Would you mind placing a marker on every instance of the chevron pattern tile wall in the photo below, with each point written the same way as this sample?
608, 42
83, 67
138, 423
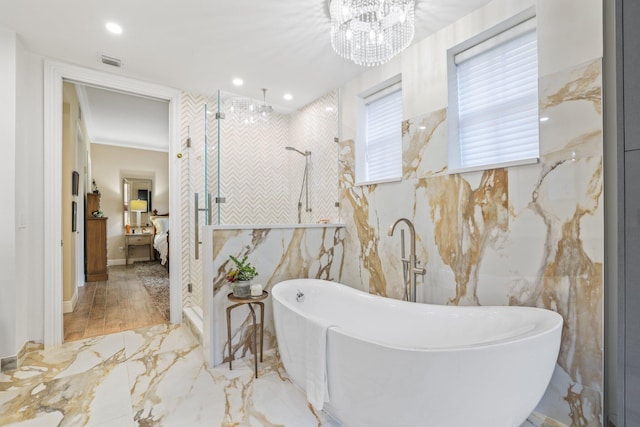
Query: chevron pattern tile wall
253, 166
315, 128
192, 181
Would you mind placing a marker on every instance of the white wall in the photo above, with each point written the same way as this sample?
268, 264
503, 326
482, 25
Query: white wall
21, 172
31, 187
8, 271
562, 43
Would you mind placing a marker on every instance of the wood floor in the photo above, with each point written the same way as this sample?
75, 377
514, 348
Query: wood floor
118, 304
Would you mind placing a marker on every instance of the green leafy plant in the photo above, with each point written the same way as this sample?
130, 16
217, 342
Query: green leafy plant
244, 270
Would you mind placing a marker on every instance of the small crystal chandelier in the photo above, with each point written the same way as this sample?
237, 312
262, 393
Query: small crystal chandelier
249, 111
371, 32
264, 110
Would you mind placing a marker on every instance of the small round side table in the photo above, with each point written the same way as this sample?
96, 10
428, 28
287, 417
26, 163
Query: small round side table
249, 300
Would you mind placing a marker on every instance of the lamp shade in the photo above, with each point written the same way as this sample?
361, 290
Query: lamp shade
138, 205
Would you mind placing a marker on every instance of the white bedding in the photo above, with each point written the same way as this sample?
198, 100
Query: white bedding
162, 246
160, 242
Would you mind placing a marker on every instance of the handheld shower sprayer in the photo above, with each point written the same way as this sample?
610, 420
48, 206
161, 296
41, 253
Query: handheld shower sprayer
306, 153
305, 182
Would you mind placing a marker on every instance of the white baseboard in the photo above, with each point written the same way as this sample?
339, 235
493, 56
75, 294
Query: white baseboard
69, 306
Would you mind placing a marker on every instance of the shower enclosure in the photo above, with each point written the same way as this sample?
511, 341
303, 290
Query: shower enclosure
305, 183
247, 164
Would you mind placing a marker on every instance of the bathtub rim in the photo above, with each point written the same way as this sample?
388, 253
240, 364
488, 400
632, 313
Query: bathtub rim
556, 322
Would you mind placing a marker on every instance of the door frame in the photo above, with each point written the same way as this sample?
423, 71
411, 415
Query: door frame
54, 74
80, 276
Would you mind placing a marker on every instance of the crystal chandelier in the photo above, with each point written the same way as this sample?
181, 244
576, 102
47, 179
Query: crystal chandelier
249, 111
371, 32
264, 110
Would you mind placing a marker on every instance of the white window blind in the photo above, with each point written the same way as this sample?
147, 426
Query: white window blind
383, 143
497, 85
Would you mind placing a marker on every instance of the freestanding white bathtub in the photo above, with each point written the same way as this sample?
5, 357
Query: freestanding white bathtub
396, 363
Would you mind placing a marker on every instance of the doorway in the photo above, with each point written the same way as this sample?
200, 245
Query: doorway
127, 281
55, 73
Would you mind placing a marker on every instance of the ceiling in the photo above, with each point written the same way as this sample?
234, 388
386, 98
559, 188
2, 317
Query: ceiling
116, 118
201, 45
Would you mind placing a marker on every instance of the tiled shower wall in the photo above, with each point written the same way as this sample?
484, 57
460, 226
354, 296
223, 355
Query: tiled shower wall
315, 128
192, 181
259, 179
529, 235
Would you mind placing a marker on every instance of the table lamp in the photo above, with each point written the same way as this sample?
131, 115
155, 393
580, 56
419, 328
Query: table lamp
138, 206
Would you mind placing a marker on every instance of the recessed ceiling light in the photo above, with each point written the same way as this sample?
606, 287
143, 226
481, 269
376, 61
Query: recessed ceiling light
114, 28
288, 97
544, 119
237, 82
422, 127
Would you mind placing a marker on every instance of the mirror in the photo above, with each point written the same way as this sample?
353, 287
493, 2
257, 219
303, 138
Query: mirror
138, 205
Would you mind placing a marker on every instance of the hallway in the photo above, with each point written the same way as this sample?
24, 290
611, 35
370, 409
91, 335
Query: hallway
119, 304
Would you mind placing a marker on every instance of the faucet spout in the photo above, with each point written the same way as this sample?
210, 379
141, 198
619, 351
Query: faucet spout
412, 232
410, 264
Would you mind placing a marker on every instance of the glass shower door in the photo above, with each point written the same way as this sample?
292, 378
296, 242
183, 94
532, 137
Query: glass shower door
199, 178
280, 167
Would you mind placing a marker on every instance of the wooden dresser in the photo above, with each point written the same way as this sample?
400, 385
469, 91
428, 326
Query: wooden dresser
95, 242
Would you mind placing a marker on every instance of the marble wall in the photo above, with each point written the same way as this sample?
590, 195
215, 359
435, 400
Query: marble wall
278, 253
530, 235
527, 235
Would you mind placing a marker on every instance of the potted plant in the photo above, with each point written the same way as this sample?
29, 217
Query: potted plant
241, 276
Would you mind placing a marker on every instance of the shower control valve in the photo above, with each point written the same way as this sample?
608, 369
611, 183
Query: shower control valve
300, 296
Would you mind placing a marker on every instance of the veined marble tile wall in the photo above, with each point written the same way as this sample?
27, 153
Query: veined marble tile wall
278, 254
529, 235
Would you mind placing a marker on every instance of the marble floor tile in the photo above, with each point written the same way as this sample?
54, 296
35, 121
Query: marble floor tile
155, 376
157, 339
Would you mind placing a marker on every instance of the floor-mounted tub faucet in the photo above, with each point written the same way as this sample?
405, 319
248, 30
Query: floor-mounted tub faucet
409, 265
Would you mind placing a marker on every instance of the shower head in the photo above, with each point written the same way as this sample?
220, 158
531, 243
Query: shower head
306, 153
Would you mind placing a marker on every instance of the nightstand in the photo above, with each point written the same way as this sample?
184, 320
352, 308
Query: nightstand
138, 239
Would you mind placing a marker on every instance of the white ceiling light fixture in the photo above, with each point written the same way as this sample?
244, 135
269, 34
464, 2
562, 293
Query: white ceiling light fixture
371, 32
113, 28
237, 81
287, 97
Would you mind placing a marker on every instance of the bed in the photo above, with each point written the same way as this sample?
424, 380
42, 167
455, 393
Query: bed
161, 237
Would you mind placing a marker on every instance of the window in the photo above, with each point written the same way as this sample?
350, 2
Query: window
494, 114
379, 145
